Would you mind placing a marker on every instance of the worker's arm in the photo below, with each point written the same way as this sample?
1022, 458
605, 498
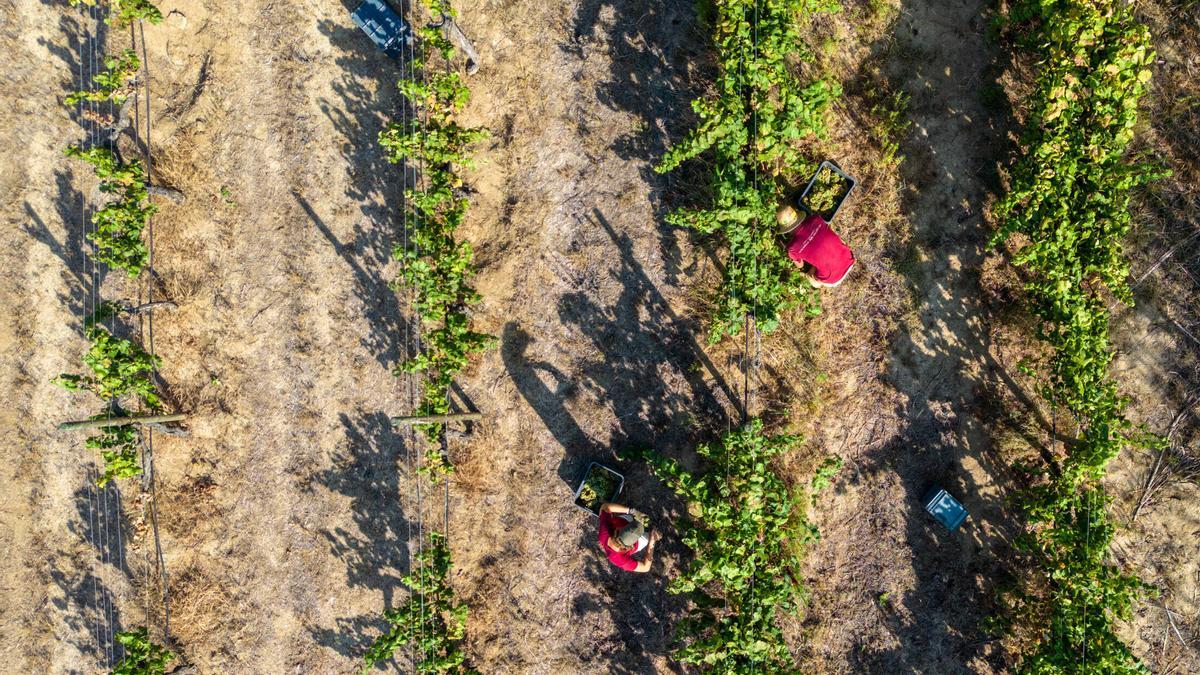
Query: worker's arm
617, 509
646, 562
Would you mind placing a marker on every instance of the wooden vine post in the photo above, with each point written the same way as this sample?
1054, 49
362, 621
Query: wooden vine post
436, 419
121, 421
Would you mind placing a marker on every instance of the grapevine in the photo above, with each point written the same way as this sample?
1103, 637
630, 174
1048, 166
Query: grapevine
432, 621
118, 368
436, 265
121, 13
142, 657
115, 84
1069, 197
746, 526
119, 224
752, 125
118, 447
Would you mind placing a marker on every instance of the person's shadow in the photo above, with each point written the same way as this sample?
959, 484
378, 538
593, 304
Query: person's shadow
637, 344
375, 551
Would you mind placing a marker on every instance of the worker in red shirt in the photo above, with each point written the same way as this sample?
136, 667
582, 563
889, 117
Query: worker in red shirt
816, 244
622, 535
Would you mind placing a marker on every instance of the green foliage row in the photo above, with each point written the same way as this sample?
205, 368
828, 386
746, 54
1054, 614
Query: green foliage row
119, 223
1069, 201
745, 527
114, 84
142, 657
436, 265
751, 126
432, 621
118, 448
121, 13
119, 368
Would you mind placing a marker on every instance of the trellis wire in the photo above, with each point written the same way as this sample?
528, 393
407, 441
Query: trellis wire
97, 498
754, 321
416, 322
93, 507
444, 440
104, 504
412, 439
108, 489
404, 121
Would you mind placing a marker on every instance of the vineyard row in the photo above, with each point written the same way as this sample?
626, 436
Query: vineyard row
437, 267
118, 370
1067, 213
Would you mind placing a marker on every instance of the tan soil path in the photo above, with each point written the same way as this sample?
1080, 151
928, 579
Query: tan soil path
913, 598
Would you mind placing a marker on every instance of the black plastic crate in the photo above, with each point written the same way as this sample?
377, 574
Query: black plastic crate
594, 507
847, 180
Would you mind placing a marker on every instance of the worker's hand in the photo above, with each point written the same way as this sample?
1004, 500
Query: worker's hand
653, 537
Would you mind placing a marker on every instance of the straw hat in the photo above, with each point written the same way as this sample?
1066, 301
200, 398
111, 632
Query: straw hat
787, 217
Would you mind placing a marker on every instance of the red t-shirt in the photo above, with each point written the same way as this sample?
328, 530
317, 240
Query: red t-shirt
609, 524
818, 245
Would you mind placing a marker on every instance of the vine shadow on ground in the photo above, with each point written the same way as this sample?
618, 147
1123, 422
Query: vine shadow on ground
367, 253
376, 553
632, 342
79, 282
367, 97
92, 597
654, 49
943, 364
81, 57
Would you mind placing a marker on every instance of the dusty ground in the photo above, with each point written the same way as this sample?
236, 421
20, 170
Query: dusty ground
285, 516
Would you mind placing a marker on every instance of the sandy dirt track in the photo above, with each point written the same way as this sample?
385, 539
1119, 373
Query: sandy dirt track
286, 515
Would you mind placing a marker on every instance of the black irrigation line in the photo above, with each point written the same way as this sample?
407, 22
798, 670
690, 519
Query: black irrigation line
445, 449
747, 393
148, 448
407, 329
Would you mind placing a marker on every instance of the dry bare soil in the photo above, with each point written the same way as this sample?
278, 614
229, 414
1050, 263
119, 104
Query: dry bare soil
286, 515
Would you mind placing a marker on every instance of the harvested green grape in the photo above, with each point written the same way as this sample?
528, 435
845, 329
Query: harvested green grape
598, 487
825, 191
588, 494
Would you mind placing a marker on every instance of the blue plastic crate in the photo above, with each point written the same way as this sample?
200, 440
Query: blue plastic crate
384, 26
945, 509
